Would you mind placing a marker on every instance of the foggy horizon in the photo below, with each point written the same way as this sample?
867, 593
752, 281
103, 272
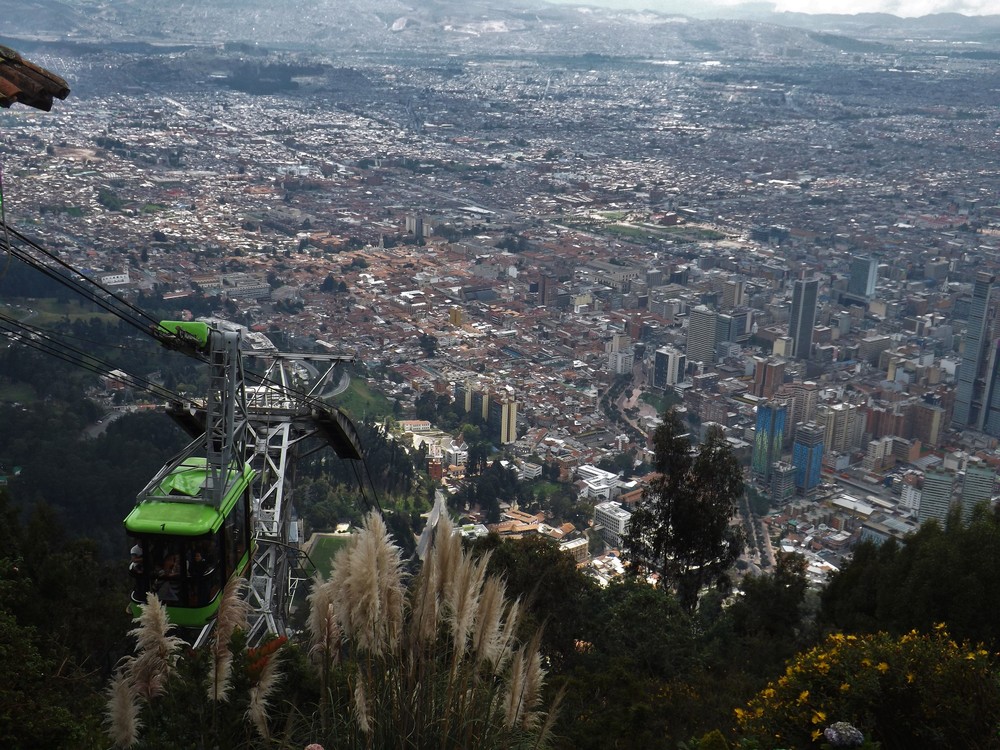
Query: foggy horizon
900, 8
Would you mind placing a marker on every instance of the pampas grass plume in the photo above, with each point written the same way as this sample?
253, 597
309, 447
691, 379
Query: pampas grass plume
270, 676
233, 609
463, 598
324, 631
487, 628
367, 581
155, 649
361, 708
123, 710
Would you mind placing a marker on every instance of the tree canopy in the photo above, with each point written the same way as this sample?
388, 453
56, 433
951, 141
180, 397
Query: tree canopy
681, 529
936, 575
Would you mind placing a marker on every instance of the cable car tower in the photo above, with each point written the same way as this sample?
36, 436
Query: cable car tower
280, 420
222, 507
254, 431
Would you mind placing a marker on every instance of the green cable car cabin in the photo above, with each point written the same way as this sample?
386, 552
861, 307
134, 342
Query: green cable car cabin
184, 548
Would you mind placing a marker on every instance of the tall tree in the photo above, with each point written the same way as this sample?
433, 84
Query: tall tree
936, 575
682, 527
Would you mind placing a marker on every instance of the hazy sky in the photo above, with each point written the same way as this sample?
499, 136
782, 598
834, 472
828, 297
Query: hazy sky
896, 7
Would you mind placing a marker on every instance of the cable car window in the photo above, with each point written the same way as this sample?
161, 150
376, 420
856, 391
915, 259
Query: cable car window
203, 571
161, 569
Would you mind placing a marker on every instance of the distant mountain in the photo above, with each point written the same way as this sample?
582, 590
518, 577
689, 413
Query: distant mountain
950, 26
368, 27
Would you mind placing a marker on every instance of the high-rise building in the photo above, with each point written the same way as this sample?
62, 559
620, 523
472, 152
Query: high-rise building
733, 293
878, 454
805, 293
802, 399
701, 341
807, 457
977, 486
620, 354
669, 366
782, 482
742, 324
723, 329
768, 376
928, 423
503, 417
989, 416
654, 277
843, 425
935, 496
768, 438
498, 410
864, 271
735, 327
465, 391
968, 388
612, 518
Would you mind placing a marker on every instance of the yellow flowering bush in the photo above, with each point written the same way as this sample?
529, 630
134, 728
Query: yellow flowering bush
919, 690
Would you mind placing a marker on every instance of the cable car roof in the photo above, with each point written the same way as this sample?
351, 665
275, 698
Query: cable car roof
180, 519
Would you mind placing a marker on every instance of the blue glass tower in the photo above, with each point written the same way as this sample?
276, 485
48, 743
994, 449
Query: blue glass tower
807, 457
769, 437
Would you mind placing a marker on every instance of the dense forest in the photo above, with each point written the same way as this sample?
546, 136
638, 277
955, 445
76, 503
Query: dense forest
770, 668
902, 645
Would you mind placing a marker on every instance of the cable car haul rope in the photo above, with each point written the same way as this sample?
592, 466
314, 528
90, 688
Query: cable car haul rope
221, 508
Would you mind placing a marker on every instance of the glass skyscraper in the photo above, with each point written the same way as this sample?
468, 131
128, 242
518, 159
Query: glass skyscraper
769, 437
864, 271
968, 392
805, 292
807, 457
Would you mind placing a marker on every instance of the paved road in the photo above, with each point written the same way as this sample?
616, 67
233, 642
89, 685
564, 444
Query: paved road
101, 425
345, 380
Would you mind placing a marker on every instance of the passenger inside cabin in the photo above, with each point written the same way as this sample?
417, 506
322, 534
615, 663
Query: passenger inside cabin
202, 571
135, 569
168, 579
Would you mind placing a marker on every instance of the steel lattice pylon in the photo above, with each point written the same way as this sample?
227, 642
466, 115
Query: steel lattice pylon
265, 424
280, 416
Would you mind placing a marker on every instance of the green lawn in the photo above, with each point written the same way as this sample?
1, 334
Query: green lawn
682, 233
49, 311
360, 400
658, 402
542, 488
323, 550
20, 392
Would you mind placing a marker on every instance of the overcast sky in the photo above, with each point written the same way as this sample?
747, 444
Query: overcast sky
896, 7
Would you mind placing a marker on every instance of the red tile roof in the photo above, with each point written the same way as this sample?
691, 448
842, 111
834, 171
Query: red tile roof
25, 82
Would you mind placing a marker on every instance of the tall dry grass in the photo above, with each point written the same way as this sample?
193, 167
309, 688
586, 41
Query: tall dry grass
432, 661
143, 679
232, 614
143, 676
433, 664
